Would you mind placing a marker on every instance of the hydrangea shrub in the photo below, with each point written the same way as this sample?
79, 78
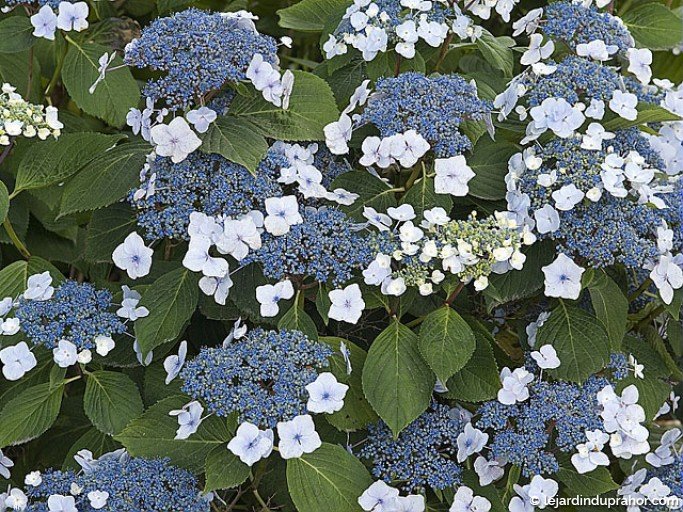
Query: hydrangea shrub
341, 255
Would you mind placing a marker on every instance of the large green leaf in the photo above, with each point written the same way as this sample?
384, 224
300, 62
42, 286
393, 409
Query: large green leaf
497, 52
52, 161
113, 97
224, 470
311, 107
647, 113
111, 400
237, 139
580, 339
610, 305
446, 342
597, 482
153, 435
16, 34
329, 479
171, 301
396, 380
296, 319
421, 196
312, 15
14, 276
106, 179
489, 161
31, 413
654, 26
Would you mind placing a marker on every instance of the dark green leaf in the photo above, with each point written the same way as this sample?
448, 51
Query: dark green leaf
111, 400
16, 34
237, 140
31, 413
224, 470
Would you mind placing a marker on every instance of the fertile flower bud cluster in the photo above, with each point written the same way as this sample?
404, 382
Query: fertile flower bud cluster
20, 118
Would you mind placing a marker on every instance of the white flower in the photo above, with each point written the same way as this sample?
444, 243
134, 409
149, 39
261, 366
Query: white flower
44, 23
201, 118
283, 212
251, 444
547, 219
402, 213
521, 502
380, 220
546, 357
359, 97
465, 501
433, 32
470, 441
38, 287
326, 395
542, 490
527, 23
637, 368
133, 256
174, 363
624, 104
342, 196
372, 42
488, 471
563, 278
407, 31
59, 503
189, 419
98, 499
410, 503
84, 356
537, 51
287, 82
596, 50
16, 500
175, 139
34, 479
198, 259
452, 176
594, 137
219, 287
409, 147
667, 276
376, 151
6, 305
65, 354
567, 197
514, 386
104, 345
332, 47
347, 304
269, 295
10, 326
379, 497
5, 464
557, 115
17, 360
639, 60
590, 455
104, 62
238, 236
297, 437
596, 109
73, 16
129, 309
259, 72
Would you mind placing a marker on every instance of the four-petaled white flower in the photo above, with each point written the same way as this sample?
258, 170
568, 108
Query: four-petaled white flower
15, 499
465, 501
269, 295
65, 354
470, 441
104, 345
98, 499
410, 503
325, 394
537, 50
38, 287
452, 176
175, 139
563, 278
547, 219
73, 16
590, 455
189, 418
174, 363
297, 436
379, 497
546, 357
667, 277
514, 386
347, 304
488, 471
133, 256
59, 503
596, 50
283, 212
542, 490
624, 104
44, 23
34, 479
251, 444
17, 360
201, 118
338, 134
639, 60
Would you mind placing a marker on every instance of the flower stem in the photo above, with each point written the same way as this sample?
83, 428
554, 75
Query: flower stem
15, 239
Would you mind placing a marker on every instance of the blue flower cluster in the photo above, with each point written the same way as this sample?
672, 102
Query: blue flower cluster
675, 214
671, 475
578, 79
77, 312
133, 484
627, 230
324, 246
262, 376
556, 415
199, 52
424, 454
329, 165
207, 183
434, 106
575, 24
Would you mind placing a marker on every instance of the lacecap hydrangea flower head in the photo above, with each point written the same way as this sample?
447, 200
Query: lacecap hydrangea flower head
20, 118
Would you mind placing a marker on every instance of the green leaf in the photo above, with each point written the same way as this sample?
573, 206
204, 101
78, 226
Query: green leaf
647, 113
312, 15
610, 305
497, 52
106, 179
16, 34
111, 400
31, 413
236, 139
330, 479
114, 95
446, 342
153, 435
373, 192
52, 161
357, 412
580, 339
489, 161
224, 470
479, 380
421, 196
297, 319
171, 300
396, 380
597, 482
311, 107
654, 26
107, 229
4, 202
